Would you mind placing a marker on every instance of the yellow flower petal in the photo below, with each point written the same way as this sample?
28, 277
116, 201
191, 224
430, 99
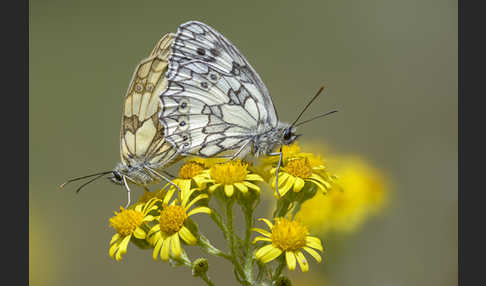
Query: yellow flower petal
263, 250
254, 177
186, 195
261, 238
199, 210
290, 258
302, 261
313, 242
214, 187
169, 195
269, 224
176, 246
158, 245
184, 184
286, 187
299, 184
187, 236
251, 186
262, 231
164, 252
114, 238
113, 249
154, 229
271, 254
148, 218
228, 190
242, 187
122, 248
195, 200
313, 253
282, 177
139, 233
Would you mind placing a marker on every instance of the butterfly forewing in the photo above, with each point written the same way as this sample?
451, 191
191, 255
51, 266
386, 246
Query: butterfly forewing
214, 100
142, 134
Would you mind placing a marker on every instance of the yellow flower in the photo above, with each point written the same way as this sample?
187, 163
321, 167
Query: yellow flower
364, 192
172, 227
268, 162
191, 172
289, 237
231, 175
298, 170
128, 223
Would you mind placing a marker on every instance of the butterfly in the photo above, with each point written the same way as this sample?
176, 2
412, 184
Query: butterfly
215, 103
143, 148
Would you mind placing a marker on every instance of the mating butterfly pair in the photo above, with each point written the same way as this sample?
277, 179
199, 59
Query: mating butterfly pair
195, 95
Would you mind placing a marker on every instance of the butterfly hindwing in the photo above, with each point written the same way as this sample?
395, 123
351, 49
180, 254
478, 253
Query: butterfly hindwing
141, 135
214, 100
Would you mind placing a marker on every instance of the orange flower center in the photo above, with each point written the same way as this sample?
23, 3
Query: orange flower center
229, 173
299, 167
172, 219
126, 221
288, 235
190, 170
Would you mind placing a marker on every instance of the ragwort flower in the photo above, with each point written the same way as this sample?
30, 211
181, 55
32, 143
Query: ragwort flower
172, 227
301, 169
190, 172
289, 237
233, 174
128, 223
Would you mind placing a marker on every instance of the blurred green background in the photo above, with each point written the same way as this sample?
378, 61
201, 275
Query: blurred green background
391, 70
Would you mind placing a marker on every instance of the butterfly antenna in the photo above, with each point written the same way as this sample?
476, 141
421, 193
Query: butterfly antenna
92, 180
308, 104
316, 117
83, 177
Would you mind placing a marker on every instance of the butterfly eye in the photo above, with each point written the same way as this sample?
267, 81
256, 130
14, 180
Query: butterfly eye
117, 176
287, 135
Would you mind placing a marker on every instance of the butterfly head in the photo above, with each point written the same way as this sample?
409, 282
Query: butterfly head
116, 178
131, 173
288, 135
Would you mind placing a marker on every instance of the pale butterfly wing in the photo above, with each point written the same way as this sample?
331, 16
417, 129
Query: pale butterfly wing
214, 101
142, 134
162, 48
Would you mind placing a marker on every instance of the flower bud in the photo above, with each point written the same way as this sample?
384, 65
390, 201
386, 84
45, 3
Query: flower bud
200, 266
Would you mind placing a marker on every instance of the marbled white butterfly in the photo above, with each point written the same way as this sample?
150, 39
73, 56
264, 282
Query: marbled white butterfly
215, 104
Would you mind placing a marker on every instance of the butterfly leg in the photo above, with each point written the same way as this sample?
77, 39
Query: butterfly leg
278, 168
163, 177
232, 157
168, 174
128, 191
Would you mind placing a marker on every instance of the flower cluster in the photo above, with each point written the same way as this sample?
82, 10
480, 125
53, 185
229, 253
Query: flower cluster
162, 220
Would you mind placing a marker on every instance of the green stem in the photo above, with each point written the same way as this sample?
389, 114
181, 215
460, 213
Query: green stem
231, 236
216, 217
280, 267
261, 273
206, 279
248, 254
